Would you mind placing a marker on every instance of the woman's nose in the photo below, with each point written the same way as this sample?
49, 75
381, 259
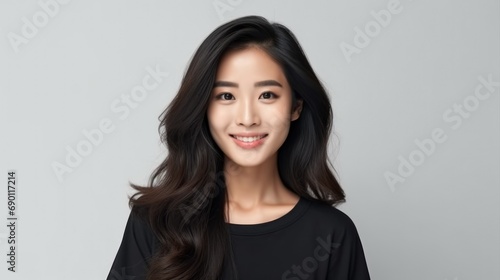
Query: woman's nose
247, 114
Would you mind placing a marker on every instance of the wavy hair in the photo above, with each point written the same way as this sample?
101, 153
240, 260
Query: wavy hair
185, 198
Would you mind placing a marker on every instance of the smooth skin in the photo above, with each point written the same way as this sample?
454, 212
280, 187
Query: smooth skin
252, 95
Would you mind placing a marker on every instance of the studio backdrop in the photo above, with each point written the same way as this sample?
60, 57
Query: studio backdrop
415, 91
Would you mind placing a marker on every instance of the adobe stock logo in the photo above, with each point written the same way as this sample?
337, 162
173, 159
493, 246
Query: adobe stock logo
454, 116
310, 264
121, 107
221, 7
30, 28
372, 29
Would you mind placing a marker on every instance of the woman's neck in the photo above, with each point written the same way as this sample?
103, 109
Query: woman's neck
254, 186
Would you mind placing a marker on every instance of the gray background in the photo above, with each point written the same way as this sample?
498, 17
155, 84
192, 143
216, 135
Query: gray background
403, 83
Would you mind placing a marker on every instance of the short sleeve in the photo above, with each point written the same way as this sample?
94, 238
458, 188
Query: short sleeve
348, 259
135, 251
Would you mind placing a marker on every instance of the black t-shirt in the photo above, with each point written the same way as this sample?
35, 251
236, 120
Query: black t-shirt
312, 241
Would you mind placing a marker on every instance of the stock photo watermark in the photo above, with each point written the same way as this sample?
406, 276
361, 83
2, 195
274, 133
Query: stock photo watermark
121, 107
31, 26
223, 6
372, 29
454, 117
310, 264
202, 197
12, 221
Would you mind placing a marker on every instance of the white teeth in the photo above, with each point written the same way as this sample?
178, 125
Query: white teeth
248, 139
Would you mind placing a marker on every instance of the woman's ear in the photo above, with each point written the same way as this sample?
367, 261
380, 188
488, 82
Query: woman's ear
296, 111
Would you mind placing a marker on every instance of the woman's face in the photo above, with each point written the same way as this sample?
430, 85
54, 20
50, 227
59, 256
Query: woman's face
250, 107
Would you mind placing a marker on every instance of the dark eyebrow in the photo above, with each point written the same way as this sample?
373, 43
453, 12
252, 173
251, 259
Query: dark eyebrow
257, 84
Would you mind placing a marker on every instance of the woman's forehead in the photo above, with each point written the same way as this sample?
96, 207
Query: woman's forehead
249, 63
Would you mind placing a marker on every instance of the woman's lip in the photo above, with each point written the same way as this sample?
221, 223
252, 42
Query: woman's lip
249, 135
249, 145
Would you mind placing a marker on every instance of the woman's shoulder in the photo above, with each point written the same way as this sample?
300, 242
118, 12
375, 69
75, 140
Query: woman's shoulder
139, 226
139, 217
328, 215
137, 247
139, 214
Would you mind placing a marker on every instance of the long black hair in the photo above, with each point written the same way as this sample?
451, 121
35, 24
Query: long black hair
185, 198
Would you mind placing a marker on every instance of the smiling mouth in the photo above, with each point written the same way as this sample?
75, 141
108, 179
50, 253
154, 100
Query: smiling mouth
248, 139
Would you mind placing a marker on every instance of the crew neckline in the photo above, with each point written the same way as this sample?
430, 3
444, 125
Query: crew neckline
262, 228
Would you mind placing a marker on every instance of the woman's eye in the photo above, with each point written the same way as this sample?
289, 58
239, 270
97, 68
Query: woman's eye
225, 96
268, 95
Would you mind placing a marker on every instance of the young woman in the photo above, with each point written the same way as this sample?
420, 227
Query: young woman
247, 190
